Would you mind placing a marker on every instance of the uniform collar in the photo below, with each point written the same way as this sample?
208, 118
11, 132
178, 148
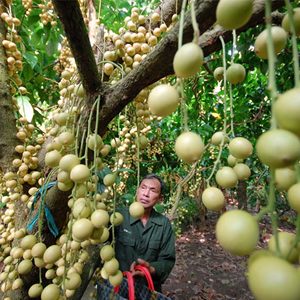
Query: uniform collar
155, 217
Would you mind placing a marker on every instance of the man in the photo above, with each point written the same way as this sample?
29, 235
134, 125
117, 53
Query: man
150, 240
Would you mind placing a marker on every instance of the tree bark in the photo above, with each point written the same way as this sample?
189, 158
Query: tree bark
8, 128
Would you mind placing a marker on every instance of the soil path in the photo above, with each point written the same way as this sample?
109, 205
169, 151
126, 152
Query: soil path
204, 271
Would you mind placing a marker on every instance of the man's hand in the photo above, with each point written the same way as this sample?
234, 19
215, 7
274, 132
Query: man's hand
143, 263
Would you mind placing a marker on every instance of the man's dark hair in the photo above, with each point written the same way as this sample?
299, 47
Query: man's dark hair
154, 176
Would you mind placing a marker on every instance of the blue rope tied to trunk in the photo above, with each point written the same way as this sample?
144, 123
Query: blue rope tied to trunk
40, 194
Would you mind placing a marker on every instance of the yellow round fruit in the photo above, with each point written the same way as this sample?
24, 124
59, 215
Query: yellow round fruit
296, 19
50, 292
136, 210
189, 147
279, 38
242, 171
226, 177
28, 241
240, 147
80, 173
111, 267
35, 290
237, 232
294, 197
82, 229
219, 73
52, 254
232, 14
218, 137
38, 249
109, 179
285, 178
81, 208
278, 148
116, 218
232, 161
256, 254
73, 281
107, 252
68, 162
100, 218
286, 245
94, 142
188, 60
163, 100
236, 73
25, 266
213, 199
272, 278
287, 110
116, 279
52, 158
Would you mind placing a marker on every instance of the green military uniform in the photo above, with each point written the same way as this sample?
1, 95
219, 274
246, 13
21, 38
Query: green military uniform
155, 243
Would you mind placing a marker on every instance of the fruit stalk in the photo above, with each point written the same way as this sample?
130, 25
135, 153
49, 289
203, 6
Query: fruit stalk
294, 43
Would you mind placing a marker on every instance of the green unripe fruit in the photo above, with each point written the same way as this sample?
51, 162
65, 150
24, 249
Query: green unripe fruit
279, 38
286, 241
273, 278
52, 158
213, 199
296, 18
285, 178
107, 252
163, 100
80, 173
111, 267
287, 110
240, 148
50, 292
136, 210
236, 73
109, 179
237, 232
226, 177
35, 290
242, 171
189, 147
188, 60
294, 197
68, 162
278, 148
232, 14
219, 73
116, 280
116, 218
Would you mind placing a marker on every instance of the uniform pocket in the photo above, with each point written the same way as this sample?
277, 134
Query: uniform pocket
154, 244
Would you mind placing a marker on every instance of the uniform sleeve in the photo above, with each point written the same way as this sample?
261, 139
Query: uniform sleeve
166, 259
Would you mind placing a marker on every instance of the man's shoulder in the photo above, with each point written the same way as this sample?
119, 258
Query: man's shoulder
160, 218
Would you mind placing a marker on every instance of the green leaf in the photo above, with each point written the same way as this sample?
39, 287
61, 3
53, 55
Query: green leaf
31, 59
25, 107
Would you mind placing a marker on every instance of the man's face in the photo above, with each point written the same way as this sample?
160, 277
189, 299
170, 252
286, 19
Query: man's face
149, 192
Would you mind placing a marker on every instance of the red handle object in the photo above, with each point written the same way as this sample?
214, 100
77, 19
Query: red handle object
147, 275
130, 280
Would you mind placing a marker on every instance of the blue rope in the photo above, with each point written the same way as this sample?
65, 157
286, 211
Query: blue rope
41, 193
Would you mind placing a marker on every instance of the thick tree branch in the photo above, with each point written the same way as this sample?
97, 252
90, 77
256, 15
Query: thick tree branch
76, 33
158, 63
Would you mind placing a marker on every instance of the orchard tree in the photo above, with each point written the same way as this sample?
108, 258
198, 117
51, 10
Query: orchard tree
71, 129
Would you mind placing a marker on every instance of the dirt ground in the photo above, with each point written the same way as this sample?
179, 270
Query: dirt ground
204, 271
